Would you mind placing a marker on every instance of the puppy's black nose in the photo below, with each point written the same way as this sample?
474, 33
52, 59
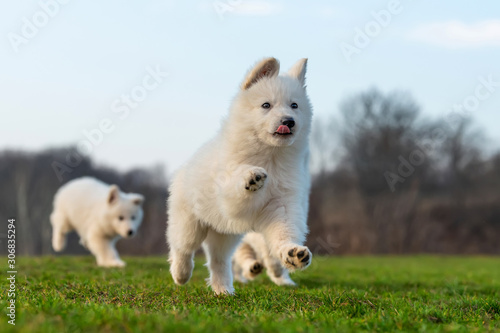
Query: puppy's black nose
288, 122
130, 232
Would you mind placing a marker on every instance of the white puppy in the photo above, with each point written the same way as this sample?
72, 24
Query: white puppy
252, 256
253, 176
101, 214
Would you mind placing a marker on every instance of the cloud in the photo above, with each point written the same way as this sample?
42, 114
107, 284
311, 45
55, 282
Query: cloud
456, 34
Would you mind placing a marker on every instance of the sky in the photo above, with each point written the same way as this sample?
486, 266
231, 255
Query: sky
155, 78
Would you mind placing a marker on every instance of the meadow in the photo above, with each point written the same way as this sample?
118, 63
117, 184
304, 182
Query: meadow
335, 294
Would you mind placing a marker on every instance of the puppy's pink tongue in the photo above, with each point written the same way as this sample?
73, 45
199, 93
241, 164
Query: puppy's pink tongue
283, 129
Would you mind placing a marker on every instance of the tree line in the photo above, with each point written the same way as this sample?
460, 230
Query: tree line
386, 179
398, 182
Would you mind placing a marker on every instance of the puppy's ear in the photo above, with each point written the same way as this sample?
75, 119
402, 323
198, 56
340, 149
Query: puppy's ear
298, 71
268, 67
114, 192
137, 199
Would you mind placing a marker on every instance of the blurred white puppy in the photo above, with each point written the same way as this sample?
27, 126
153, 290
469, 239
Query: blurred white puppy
252, 256
100, 213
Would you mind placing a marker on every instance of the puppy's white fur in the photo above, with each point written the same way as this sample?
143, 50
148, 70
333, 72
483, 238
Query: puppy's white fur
248, 178
252, 256
100, 213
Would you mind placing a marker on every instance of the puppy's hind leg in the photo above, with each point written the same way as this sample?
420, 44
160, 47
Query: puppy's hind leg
277, 273
246, 258
275, 270
219, 249
60, 227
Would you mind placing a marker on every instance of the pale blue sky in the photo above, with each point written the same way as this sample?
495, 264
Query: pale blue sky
64, 79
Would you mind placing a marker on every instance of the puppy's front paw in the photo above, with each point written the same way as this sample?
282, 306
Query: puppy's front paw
112, 263
119, 263
296, 257
255, 179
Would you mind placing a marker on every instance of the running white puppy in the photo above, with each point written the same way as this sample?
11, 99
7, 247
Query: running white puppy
252, 256
253, 176
100, 213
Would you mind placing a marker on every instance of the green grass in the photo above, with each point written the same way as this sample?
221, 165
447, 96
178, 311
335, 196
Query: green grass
419, 293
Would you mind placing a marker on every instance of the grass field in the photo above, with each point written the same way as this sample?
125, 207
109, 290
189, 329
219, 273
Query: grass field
421, 293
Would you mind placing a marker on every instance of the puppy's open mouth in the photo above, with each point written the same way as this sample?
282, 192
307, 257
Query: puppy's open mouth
283, 130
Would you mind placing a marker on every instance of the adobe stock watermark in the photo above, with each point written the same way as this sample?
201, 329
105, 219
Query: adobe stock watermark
11, 271
121, 108
325, 245
407, 165
372, 29
222, 7
30, 27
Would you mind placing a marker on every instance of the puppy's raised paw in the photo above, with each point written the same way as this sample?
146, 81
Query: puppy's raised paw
255, 179
296, 257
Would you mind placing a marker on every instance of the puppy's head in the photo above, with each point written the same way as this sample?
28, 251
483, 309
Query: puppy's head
124, 211
274, 108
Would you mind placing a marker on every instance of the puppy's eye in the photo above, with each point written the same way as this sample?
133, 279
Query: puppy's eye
266, 105
133, 217
294, 105
121, 218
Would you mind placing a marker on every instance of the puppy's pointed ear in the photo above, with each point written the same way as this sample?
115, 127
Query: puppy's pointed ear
268, 67
298, 71
137, 199
114, 192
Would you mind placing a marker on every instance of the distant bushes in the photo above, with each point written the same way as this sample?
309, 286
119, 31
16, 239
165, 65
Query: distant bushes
386, 180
